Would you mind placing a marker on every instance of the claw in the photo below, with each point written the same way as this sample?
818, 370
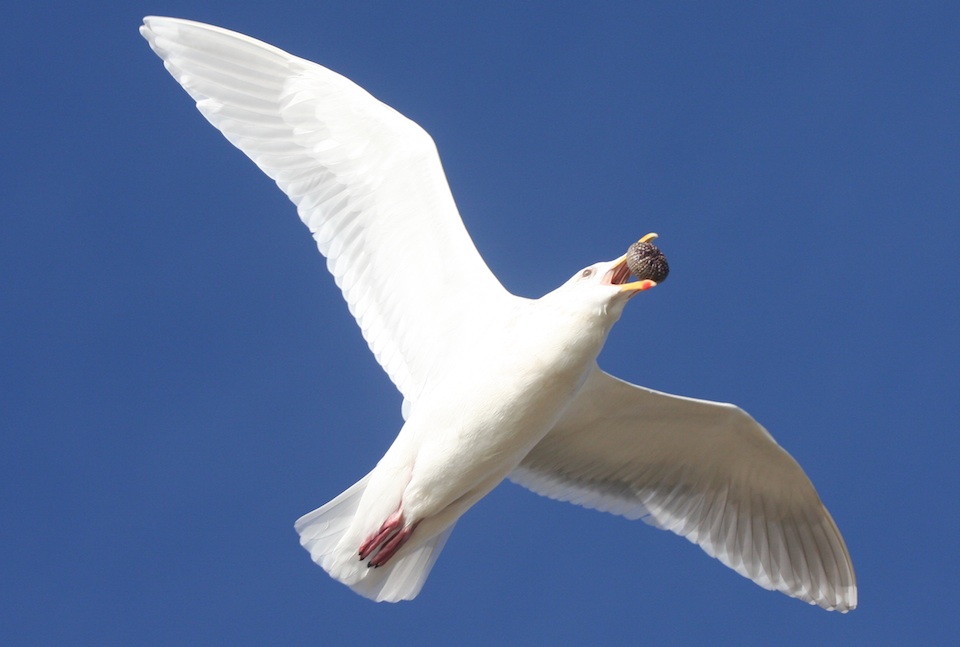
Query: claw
384, 544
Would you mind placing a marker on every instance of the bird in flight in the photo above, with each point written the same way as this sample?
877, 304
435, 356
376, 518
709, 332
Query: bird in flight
494, 386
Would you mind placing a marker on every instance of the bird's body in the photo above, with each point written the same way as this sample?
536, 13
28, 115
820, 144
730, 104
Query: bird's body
496, 400
495, 386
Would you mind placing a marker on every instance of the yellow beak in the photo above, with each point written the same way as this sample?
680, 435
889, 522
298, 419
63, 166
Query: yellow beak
620, 271
620, 274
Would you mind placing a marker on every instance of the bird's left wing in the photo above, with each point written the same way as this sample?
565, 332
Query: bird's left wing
367, 182
704, 470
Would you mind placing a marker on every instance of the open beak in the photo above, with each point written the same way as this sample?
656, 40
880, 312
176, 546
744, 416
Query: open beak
619, 275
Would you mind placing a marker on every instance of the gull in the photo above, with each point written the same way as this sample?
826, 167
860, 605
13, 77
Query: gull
494, 386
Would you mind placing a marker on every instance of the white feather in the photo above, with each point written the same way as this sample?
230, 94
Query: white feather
322, 530
366, 180
704, 470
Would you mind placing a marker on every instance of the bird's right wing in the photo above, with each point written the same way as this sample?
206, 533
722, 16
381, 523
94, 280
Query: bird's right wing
367, 182
704, 470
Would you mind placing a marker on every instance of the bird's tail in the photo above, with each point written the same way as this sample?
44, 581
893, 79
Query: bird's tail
325, 533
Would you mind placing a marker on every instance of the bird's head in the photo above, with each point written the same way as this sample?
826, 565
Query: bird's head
605, 287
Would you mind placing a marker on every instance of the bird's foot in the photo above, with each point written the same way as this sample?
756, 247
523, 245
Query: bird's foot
384, 544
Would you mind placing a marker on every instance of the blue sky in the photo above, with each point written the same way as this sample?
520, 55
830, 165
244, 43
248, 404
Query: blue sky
180, 379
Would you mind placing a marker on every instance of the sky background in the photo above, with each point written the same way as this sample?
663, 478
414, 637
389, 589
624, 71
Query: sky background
180, 379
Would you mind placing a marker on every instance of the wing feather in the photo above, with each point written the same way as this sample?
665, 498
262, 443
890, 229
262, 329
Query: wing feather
367, 182
704, 470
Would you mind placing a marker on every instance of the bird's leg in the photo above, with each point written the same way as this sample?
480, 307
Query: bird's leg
391, 526
383, 544
390, 548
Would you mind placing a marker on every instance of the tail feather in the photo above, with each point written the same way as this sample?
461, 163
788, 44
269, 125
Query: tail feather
322, 533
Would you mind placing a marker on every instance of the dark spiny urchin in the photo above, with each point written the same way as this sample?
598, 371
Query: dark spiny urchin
646, 261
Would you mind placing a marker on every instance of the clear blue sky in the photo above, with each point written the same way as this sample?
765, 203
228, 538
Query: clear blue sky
180, 379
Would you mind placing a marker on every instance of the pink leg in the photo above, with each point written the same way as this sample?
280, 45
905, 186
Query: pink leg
383, 544
390, 548
391, 526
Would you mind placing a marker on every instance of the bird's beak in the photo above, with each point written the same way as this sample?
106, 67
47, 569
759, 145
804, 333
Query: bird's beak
619, 275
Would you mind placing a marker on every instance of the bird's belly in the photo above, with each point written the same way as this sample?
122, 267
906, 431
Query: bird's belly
469, 438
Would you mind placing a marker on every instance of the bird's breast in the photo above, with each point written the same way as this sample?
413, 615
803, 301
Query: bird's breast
489, 411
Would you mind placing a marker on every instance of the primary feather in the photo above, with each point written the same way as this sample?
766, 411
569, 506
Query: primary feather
704, 470
366, 180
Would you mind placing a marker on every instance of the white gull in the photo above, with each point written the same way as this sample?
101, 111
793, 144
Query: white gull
495, 386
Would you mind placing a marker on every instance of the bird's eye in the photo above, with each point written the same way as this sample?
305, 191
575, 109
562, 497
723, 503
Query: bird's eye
586, 273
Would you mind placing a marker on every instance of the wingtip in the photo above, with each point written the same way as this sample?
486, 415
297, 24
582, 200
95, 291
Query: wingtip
850, 600
148, 22
151, 26
154, 24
